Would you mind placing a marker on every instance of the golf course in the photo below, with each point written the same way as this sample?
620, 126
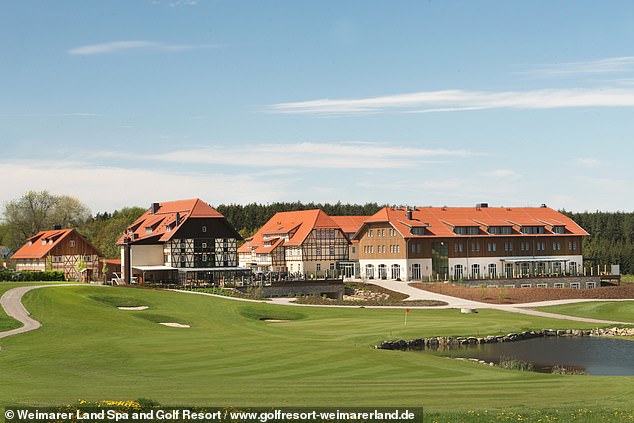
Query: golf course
238, 353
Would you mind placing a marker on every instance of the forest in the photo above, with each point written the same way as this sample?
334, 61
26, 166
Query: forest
611, 239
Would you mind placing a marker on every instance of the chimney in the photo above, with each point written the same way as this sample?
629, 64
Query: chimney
127, 256
482, 205
155, 207
409, 214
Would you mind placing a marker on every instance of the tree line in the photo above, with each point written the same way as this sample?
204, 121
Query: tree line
611, 239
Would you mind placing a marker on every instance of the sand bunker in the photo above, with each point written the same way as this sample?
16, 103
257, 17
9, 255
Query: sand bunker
137, 308
274, 320
175, 325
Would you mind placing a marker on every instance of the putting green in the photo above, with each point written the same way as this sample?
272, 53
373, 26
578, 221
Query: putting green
89, 349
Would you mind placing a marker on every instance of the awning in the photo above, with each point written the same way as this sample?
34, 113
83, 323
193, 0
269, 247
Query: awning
533, 259
153, 268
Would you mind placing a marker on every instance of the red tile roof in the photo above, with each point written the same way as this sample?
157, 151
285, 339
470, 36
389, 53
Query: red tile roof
165, 217
293, 227
41, 243
349, 224
441, 220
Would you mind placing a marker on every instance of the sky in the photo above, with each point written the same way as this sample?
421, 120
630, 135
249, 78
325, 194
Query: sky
444, 103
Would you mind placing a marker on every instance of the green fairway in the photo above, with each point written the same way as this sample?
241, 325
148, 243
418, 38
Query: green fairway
620, 311
89, 349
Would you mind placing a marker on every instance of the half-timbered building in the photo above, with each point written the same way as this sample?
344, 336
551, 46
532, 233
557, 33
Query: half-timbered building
469, 243
60, 249
181, 241
306, 242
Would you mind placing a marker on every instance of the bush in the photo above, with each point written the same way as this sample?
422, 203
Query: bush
31, 276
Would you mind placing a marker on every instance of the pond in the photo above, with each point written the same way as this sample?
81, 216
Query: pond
593, 355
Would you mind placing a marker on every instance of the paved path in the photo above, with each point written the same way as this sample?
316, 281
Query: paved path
526, 308
11, 302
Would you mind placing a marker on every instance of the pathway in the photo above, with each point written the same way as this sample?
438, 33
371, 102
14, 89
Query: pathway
526, 308
11, 302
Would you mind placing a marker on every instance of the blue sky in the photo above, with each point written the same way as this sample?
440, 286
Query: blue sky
412, 102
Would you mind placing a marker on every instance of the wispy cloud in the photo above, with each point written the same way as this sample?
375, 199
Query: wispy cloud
588, 162
353, 155
463, 100
122, 46
591, 67
94, 184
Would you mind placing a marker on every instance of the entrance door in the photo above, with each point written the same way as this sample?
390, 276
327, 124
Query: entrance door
440, 259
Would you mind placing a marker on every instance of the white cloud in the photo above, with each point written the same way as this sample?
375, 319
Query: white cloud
591, 67
313, 155
462, 100
588, 162
109, 188
120, 46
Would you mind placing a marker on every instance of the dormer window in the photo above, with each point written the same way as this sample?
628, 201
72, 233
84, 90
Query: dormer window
417, 230
466, 230
148, 229
559, 229
532, 230
500, 230
43, 242
204, 229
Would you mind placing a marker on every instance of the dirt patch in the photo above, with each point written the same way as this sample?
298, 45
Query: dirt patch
175, 325
527, 295
135, 308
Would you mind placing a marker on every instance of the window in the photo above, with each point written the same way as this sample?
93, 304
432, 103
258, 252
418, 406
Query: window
396, 271
475, 246
466, 230
416, 271
71, 243
318, 251
574, 285
332, 266
572, 266
148, 230
526, 285
591, 284
398, 249
382, 232
475, 271
318, 267
43, 242
332, 250
353, 250
557, 267
457, 247
532, 230
493, 270
458, 271
500, 230
542, 285
382, 271
370, 233
369, 271
417, 230
559, 229
204, 229
492, 247
508, 246
558, 285
508, 270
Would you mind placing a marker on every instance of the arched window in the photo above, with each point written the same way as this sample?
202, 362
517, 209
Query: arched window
458, 272
493, 270
369, 271
508, 269
382, 271
396, 271
572, 266
416, 271
475, 271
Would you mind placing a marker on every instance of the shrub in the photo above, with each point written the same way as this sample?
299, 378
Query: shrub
30, 276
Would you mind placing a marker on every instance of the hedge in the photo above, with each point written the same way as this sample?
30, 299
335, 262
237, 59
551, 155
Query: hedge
28, 276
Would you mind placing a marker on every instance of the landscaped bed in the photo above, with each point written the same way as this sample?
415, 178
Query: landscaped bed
526, 295
359, 294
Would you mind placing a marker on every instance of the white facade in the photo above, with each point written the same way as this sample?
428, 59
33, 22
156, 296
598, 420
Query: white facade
502, 267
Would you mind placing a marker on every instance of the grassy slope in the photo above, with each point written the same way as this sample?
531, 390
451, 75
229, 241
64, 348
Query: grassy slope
89, 349
621, 311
